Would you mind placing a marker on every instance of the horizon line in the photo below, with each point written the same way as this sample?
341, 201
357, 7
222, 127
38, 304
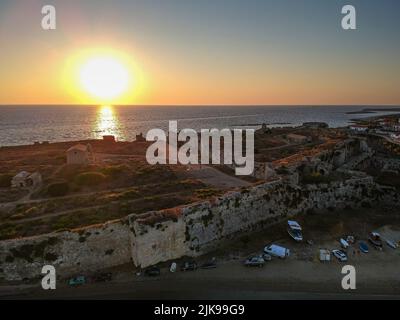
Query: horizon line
198, 105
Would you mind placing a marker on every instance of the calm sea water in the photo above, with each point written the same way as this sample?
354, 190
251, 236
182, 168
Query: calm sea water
25, 124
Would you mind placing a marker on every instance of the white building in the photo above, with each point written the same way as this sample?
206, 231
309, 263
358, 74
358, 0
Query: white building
25, 179
359, 128
79, 154
296, 138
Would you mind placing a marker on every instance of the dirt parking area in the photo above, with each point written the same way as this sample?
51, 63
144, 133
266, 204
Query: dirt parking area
301, 275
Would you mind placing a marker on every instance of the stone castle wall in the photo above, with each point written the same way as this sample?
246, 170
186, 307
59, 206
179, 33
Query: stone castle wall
71, 252
189, 230
201, 227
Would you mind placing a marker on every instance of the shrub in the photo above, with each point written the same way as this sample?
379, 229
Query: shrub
17, 216
206, 193
57, 189
31, 211
389, 179
282, 170
317, 178
5, 180
90, 178
130, 194
115, 170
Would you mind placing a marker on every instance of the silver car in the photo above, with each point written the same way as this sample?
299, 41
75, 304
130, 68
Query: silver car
255, 261
340, 255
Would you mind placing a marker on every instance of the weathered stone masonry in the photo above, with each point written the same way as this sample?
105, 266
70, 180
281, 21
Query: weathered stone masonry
188, 230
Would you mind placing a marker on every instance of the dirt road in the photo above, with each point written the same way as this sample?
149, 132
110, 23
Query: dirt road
279, 279
215, 178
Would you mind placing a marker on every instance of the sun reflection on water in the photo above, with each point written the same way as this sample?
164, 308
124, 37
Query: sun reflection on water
107, 122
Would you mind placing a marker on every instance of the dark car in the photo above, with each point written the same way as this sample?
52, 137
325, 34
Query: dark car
152, 272
189, 266
209, 265
102, 277
77, 281
255, 261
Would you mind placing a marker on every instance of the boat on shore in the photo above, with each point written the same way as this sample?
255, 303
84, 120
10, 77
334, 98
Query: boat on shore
376, 240
294, 230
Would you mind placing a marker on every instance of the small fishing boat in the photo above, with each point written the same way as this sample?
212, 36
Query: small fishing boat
344, 243
391, 244
363, 247
376, 240
294, 230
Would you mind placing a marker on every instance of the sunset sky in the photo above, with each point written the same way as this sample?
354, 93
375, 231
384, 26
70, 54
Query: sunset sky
204, 51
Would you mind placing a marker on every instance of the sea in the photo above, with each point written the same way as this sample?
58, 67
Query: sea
24, 125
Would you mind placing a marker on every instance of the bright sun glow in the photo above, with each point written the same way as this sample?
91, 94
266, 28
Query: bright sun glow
104, 78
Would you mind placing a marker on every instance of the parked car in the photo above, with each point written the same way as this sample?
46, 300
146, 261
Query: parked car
294, 230
209, 265
77, 281
189, 266
376, 240
340, 255
267, 257
255, 261
277, 251
152, 271
102, 277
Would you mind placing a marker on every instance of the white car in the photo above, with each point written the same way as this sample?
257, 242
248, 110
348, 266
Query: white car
340, 255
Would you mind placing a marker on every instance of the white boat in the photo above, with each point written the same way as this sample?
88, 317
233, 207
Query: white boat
391, 244
376, 239
294, 230
344, 243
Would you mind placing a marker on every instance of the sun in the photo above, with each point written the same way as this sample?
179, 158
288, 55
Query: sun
104, 78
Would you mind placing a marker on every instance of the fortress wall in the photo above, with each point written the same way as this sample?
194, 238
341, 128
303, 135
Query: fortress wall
203, 226
71, 252
189, 230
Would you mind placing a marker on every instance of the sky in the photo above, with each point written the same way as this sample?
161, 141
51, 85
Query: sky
199, 52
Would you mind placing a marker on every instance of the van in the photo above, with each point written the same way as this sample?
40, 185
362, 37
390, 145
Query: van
277, 251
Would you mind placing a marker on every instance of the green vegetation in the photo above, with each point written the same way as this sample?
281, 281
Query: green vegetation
389, 179
115, 170
109, 252
317, 178
90, 178
282, 170
5, 180
130, 194
8, 231
206, 219
76, 196
90, 216
29, 252
57, 189
17, 216
207, 193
